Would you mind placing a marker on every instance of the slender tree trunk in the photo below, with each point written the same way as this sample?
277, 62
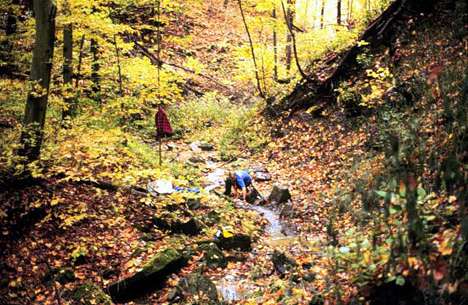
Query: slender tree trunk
68, 71
288, 50
293, 38
252, 50
322, 14
36, 104
80, 61
226, 2
338, 12
117, 54
275, 46
350, 10
96, 86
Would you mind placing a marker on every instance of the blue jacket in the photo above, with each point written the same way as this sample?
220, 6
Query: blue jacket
243, 179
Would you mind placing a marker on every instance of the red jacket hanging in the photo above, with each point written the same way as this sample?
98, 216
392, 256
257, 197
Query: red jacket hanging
163, 126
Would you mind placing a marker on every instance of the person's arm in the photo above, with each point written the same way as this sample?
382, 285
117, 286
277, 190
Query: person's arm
241, 184
244, 193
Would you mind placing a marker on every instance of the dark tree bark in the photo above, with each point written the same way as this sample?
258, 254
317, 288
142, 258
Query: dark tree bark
96, 79
80, 61
338, 12
36, 104
293, 38
68, 70
252, 50
275, 45
289, 18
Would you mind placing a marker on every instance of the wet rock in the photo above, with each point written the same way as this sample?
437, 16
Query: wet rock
90, 294
206, 146
195, 286
279, 195
262, 176
238, 241
152, 276
213, 256
287, 210
196, 159
282, 263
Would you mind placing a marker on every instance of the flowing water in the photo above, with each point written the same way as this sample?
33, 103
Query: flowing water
234, 286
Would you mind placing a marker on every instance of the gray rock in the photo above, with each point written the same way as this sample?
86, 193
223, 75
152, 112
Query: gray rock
262, 176
213, 256
279, 195
195, 286
206, 146
282, 263
238, 241
196, 159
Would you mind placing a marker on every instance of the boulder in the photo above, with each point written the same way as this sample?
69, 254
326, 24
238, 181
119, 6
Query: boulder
282, 263
150, 278
195, 287
193, 203
89, 294
279, 195
190, 227
262, 176
206, 146
213, 256
196, 159
236, 242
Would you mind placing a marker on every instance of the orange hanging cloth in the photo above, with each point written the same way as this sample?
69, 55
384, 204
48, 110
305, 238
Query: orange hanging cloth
163, 126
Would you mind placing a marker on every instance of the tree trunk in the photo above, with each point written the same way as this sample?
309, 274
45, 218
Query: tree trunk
350, 10
275, 46
293, 38
80, 61
252, 50
288, 50
68, 71
96, 86
226, 2
338, 12
322, 15
36, 104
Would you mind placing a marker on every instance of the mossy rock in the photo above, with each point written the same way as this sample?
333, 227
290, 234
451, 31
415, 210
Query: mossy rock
213, 256
212, 218
279, 195
195, 288
236, 242
150, 278
90, 294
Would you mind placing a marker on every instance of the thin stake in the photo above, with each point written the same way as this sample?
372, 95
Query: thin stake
159, 74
